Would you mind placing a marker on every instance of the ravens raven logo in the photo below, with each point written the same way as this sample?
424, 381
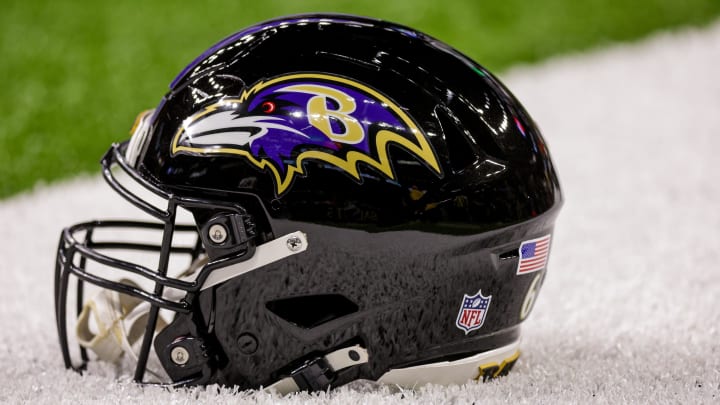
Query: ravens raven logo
280, 123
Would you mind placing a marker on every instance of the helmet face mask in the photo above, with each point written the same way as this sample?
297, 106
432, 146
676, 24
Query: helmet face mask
364, 202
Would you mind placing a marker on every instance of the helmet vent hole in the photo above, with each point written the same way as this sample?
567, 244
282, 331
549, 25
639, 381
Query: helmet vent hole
510, 254
310, 311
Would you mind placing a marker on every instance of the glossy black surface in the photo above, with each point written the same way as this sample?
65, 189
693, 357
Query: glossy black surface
391, 253
494, 172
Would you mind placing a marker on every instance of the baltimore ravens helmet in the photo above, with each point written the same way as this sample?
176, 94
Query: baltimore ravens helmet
328, 198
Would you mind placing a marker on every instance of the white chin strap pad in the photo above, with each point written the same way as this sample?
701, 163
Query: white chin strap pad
482, 366
119, 321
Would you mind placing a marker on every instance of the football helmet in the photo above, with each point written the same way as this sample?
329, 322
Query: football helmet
329, 198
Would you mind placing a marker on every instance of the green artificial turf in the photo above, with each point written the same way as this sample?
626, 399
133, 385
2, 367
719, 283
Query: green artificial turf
74, 74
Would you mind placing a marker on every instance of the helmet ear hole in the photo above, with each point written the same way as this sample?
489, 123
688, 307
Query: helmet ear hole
311, 311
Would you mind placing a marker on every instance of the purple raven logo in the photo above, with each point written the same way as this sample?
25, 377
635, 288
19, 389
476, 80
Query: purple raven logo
279, 123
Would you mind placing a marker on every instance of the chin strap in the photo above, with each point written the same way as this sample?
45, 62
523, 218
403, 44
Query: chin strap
317, 374
119, 322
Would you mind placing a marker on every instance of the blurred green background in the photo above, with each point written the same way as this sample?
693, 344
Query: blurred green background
76, 73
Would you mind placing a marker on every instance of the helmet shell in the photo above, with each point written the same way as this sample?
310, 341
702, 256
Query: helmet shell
450, 175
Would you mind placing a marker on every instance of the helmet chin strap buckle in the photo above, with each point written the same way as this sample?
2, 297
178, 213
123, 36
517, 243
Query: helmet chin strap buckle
317, 374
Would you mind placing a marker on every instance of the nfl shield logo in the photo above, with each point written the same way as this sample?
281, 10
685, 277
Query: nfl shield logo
472, 312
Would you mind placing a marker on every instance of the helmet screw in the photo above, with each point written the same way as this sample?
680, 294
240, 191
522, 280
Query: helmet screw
179, 355
247, 343
294, 243
217, 233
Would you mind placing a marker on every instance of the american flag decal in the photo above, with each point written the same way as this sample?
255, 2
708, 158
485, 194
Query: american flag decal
533, 255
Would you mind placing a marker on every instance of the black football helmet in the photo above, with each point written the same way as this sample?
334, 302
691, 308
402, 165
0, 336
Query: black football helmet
362, 201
